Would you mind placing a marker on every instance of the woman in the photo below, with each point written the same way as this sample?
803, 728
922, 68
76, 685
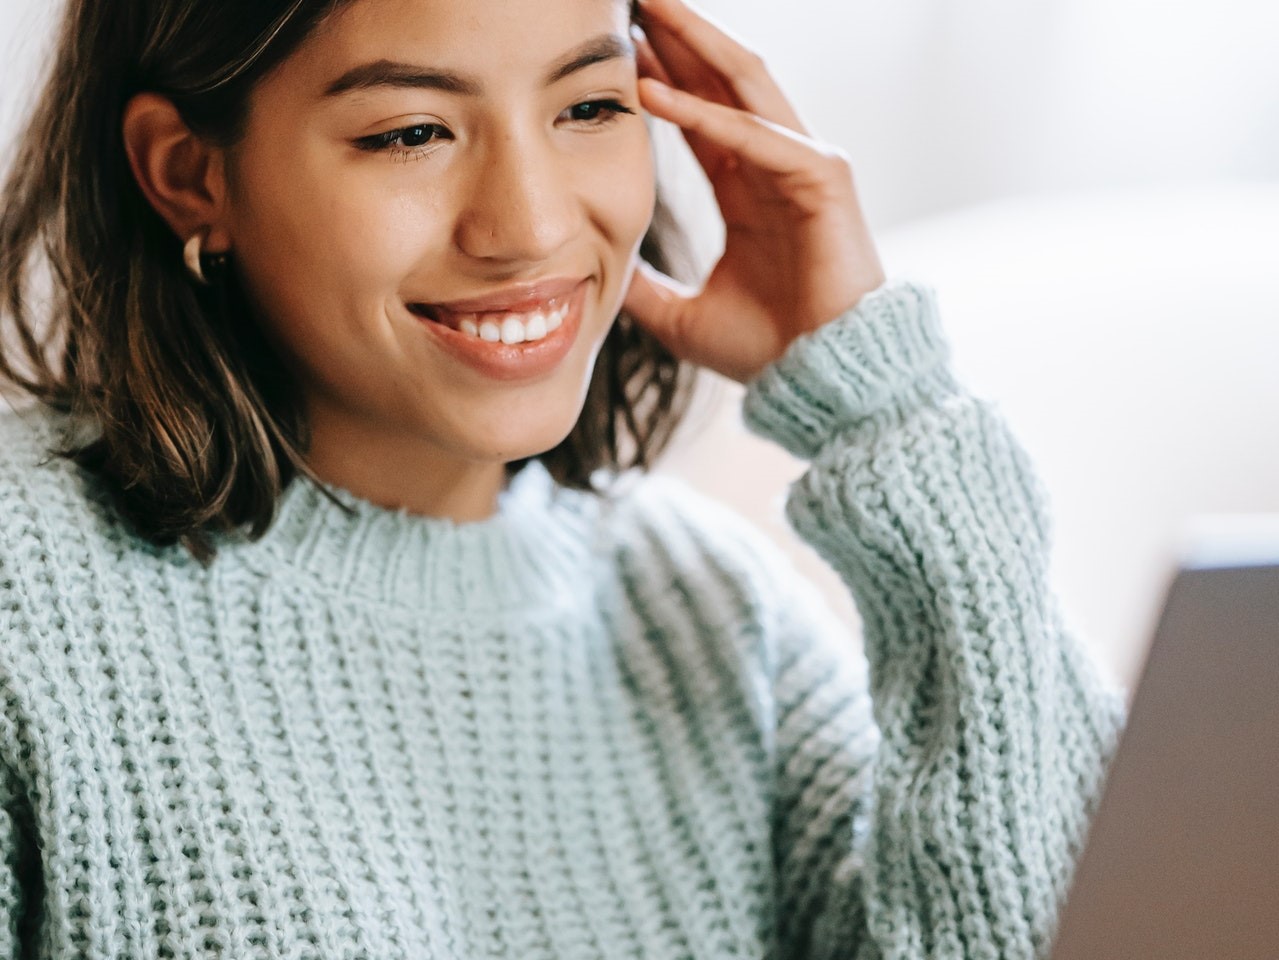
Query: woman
325, 632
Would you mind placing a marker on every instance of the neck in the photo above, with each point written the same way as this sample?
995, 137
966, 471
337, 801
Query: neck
400, 471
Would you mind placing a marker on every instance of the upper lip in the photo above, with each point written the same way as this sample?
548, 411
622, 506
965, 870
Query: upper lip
513, 299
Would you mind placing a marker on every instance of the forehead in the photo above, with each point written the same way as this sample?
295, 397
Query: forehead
476, 37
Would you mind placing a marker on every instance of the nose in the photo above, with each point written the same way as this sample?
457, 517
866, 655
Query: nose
520, 206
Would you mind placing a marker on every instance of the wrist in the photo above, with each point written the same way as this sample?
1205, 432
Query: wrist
886, 354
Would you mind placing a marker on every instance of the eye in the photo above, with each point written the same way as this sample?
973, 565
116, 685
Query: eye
406, 140
595, 112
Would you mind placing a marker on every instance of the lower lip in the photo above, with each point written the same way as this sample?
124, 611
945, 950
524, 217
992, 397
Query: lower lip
513, 361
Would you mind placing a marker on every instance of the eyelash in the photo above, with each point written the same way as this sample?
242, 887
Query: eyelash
608, 112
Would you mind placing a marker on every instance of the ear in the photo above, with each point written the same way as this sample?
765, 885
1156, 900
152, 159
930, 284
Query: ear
181, 175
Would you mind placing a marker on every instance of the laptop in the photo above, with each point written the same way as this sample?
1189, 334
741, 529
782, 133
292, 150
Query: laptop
1182, 855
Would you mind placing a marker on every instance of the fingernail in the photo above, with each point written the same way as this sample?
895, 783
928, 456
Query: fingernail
656, 88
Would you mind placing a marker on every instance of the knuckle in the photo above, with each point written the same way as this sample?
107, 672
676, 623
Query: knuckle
830, 175
751, 62
838, 158
837, 164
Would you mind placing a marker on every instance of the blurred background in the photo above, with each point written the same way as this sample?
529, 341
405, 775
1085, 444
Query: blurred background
1092, 188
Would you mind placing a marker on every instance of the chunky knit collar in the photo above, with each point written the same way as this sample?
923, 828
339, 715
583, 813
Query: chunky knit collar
526, 555
533, 554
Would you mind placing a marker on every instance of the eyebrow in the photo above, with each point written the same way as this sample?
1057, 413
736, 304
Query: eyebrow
390, 73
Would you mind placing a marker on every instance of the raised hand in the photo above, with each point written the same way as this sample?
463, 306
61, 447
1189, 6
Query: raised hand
797, 252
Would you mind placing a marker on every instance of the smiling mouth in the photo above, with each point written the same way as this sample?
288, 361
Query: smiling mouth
500, 326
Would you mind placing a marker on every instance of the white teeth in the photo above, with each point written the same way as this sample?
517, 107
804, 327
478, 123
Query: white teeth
514, 328
535, 329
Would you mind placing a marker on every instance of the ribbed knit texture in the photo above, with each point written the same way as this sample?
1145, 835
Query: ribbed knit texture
581, 728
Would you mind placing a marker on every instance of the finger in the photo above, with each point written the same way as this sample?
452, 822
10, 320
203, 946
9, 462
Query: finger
687, 70
649, 64
708, 156
699, 80
674, 28
743, 135
658, 303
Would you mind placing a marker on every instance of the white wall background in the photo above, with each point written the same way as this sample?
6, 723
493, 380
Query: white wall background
1092, 186
943, 104
25, 27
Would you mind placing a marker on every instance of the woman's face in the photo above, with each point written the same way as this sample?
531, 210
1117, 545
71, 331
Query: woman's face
420, 171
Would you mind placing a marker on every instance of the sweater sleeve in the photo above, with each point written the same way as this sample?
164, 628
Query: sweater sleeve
19, 850
954, 833
18, 867
12, 893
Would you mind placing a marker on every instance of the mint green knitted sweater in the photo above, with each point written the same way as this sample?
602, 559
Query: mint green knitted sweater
582, 728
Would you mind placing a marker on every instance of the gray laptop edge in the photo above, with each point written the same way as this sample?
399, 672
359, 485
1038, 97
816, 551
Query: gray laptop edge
1182, 857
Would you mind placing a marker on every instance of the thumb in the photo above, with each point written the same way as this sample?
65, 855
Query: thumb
659, 304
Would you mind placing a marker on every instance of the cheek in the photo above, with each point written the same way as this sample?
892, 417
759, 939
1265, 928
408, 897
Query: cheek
642, 193
317, 236
621, 190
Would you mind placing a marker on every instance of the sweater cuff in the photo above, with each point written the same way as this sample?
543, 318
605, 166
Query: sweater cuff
884, 357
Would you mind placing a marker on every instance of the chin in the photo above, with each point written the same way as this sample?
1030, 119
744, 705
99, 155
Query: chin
534, 419
517, 439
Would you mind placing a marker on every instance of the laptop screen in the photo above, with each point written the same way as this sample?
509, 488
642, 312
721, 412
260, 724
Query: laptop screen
1182, 857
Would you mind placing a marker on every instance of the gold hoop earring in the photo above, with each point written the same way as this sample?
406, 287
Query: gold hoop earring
193, 257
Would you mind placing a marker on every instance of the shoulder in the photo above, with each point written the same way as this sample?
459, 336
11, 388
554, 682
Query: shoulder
668, 535
25, 434
29, 471
47, 502
662, 510
33, 477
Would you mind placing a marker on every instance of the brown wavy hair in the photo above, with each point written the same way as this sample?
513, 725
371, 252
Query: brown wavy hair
199, 425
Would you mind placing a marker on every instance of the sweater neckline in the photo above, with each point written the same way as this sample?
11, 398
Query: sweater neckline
520, 557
